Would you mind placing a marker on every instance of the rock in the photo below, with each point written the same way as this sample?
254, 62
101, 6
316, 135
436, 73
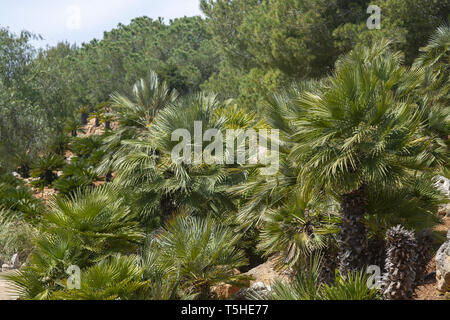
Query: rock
443, 184
444, 210
6, 267
225, 291
261, 277
267, 273
443, 266
257, 290
15, 261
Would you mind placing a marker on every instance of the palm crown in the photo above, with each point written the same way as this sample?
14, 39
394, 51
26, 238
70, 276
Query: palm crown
363, 128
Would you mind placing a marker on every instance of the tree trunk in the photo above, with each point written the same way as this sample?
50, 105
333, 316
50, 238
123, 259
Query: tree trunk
168, 206
84, 118
107, 125
376, 252
353, 235
24, 171
97, 122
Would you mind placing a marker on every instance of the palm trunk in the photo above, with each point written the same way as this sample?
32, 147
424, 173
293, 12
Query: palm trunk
353, 235
376, 252
84, 118
168, 206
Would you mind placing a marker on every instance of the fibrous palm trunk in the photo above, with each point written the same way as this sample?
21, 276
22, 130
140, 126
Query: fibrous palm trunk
424, 245
400, 276
353, 235
376, 252
84, 118
329, 263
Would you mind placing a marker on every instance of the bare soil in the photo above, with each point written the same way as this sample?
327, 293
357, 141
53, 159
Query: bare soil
428, 290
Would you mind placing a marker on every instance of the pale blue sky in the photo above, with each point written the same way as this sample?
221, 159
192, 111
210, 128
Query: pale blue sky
58, 20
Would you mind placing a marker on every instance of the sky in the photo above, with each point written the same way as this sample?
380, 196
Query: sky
78, 21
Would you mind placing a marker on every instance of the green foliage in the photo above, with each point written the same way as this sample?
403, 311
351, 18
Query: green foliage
307, 286
73, 126
70, 184
53, 254
45, 168
352, 286
84, 147
81, 230
134, 116
18, 200
161, 185
363, 128
115, 278
198, 253
15, 237
76, 175
267, 44
414, 205
98, 218
297, 230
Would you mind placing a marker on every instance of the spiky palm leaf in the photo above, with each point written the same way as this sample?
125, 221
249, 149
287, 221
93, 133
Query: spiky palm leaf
134, 115
198, 253
79, 230
18, 200
361, 130
47, 266
115, 278
98, 217
86, 146
45, 168
297, 230
161, 184
308, 286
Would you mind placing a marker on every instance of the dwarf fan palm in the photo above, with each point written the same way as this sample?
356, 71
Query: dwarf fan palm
45, 168
298, 230
135, 114
199, 253
79, 230
98, 218
118, 277
361, 130
160, 183
307, 285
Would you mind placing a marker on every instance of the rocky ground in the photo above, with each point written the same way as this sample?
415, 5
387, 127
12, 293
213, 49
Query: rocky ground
428, 291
